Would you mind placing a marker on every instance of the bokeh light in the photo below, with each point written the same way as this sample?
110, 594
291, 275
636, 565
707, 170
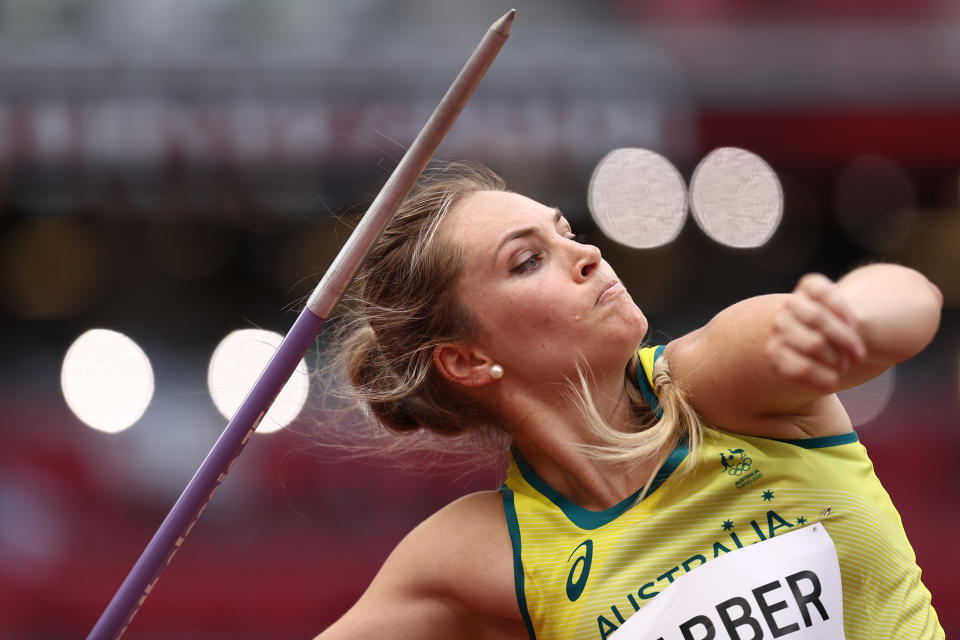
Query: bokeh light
637, 198
867, 401
106, 380
236, 364
736, 198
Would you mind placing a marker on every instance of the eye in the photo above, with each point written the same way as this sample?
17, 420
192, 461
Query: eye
528, 265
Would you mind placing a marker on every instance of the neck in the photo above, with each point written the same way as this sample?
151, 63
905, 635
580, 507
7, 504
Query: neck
549, 432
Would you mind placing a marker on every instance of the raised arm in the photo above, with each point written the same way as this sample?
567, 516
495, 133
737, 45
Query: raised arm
451, 577
770, 365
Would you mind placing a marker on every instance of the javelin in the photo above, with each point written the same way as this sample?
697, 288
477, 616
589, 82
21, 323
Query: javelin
185, 512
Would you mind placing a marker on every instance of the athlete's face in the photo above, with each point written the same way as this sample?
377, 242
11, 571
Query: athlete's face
541, 298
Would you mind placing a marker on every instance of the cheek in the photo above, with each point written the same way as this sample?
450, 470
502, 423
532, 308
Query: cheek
528, 315
539, 307
518, 321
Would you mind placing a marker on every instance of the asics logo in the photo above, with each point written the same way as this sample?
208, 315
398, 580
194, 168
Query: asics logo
580, 571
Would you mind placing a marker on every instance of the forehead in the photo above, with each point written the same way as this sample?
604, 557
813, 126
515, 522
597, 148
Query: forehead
490, 213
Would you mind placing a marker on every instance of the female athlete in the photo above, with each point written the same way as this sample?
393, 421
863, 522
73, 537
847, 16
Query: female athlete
633, 469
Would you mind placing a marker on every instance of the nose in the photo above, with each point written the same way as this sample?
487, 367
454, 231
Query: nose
587, 260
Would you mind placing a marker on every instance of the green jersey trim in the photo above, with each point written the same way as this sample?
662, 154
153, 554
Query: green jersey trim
585, 518
823, 441
513, 526
648, 393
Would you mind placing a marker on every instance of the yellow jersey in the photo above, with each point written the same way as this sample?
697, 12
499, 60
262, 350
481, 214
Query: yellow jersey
581, 574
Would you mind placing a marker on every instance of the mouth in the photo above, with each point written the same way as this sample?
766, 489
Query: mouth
608, 291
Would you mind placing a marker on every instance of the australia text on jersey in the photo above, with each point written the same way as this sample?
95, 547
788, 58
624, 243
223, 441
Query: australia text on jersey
616, 613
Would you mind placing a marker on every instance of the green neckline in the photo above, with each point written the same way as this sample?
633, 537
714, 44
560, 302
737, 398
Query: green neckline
513, 527
822, 441
585, 518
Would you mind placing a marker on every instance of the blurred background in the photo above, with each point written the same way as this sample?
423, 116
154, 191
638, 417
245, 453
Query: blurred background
175, 171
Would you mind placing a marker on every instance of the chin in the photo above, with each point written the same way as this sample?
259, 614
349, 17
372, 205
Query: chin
634, 319
627, 335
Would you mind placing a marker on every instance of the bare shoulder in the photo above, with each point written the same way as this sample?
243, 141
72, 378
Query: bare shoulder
452, 576
465, 548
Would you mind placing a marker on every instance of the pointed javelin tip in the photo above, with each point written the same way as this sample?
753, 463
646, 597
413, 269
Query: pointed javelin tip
502, 26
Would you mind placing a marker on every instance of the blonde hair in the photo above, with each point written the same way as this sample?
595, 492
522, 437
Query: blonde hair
653, 435
405, 304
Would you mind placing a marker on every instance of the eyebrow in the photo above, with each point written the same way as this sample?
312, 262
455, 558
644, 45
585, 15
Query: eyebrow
524, 232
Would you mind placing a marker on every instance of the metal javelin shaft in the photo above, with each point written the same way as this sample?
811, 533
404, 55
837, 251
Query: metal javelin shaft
185, 512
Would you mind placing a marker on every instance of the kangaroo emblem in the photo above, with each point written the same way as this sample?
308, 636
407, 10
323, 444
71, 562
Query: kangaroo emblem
736, 463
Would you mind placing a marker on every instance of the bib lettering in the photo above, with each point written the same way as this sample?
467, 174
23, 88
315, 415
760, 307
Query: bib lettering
787, 587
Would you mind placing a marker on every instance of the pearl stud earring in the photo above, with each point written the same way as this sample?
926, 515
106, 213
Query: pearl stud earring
496, 372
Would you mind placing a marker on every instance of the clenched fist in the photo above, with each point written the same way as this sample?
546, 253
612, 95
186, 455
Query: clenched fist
814, 338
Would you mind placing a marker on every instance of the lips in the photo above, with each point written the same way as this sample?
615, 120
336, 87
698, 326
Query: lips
610, 290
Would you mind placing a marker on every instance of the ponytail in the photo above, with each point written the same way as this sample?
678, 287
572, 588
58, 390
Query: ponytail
653, 436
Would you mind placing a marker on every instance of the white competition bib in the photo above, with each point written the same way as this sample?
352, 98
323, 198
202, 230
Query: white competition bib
785, 587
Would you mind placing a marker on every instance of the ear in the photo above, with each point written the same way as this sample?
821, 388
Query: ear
462, 364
